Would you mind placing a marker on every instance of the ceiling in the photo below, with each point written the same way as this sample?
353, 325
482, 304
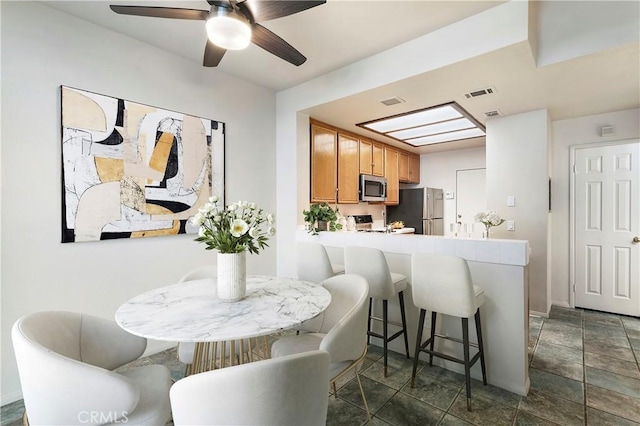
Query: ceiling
341, 32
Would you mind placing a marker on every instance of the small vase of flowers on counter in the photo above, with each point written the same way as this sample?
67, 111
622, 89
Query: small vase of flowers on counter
488, 219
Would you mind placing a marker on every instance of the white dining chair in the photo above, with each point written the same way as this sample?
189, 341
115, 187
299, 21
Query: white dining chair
66, 362
288, 391
340, 330
313, 263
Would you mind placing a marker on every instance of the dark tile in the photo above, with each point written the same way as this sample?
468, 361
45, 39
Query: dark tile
635, 343
431, 390
553, 384
493, 393
601, 317
625, 368
399, 371
374, 352
12, 412
376, 393
633, 334
563, 352
552, 364
613, 402
526, 419
592, 326
614, 382
572, 340
561, 326
341, 413
405, 410
600, 418
444, 376
449, 420
619, 340
570, 316
630, 323
535, 321
553, 408
484, 411
603, 348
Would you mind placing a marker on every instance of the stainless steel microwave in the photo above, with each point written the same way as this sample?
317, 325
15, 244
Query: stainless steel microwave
373, 188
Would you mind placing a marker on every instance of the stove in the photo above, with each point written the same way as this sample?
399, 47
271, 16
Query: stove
363, 222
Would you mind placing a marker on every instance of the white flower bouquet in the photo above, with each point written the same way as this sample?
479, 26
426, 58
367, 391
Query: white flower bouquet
238, 227
488, 219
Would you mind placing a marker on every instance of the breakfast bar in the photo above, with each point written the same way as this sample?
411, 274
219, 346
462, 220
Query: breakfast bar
498, 266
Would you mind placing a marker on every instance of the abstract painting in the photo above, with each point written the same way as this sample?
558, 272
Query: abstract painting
132, 170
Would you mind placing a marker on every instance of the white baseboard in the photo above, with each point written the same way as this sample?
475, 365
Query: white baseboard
11, 397
538, 314
561, 303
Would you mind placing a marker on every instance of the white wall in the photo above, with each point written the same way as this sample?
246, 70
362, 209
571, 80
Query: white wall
517, 165
438, 170
43, 49
567, 133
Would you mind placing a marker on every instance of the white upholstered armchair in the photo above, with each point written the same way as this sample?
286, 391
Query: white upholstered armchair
65, 361
340, 330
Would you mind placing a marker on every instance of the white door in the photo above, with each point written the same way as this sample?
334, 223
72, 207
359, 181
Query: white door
471, 186
607, 220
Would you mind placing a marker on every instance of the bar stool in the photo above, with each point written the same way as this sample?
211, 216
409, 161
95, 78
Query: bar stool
383, 285
443, 284
313, 262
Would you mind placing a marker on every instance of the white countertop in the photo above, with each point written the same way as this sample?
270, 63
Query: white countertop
500, 251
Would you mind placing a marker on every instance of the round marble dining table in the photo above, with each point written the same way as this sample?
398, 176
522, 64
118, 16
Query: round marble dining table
191, 311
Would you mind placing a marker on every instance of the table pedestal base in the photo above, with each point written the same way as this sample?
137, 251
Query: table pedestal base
211, 355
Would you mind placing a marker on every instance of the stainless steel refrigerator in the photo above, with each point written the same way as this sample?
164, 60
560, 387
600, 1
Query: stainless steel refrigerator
419, 208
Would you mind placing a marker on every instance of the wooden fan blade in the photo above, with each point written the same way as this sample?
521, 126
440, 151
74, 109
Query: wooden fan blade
272, 43
212, 54
264, 10
162, 12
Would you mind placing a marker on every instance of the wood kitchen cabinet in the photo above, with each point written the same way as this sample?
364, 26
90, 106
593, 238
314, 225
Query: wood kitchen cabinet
324, 164
348, 169
414, 169
391, 163
403, 167
408, 168
371, 158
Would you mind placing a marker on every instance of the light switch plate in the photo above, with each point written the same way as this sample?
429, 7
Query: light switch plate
449, 195
511, 225
511, 201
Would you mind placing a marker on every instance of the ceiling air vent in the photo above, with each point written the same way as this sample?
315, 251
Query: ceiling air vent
392, 101
480, 92
494, 113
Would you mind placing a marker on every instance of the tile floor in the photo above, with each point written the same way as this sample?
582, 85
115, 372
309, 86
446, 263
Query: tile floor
583, 371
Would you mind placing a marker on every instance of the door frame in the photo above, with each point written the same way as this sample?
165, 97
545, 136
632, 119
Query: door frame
572, 207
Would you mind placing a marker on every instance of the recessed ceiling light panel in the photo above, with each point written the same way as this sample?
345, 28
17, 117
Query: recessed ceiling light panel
437, 124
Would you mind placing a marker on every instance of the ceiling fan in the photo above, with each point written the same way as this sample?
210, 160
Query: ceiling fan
233, 24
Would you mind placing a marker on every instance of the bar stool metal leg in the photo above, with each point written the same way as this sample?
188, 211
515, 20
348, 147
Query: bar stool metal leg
467, 366
369, 322
385, 333
434, 315
404, 324
480, 346
418, 345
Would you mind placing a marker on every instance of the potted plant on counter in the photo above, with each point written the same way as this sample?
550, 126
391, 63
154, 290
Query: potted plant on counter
321, 217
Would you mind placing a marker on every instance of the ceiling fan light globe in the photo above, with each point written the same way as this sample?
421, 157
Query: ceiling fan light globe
228, 32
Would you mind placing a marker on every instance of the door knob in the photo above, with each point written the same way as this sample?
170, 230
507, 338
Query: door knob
636, 240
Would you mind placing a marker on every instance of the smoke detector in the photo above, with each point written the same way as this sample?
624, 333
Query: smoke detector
494, 113
392, 101
480, 92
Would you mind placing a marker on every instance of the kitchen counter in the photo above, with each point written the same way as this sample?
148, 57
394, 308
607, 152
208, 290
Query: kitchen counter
499, 266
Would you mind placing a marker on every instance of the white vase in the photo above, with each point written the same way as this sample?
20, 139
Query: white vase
232, 276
